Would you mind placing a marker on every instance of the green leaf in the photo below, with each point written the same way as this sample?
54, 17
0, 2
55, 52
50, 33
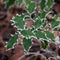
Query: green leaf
27, 33
54, 23
42, 14
27, 43
49, 35
12, 41
44, 44
27, 17
37, 23
28, 1
56, 16
42, 4
44, 24
10, 2
18, 2
31, 7
49, 3
40, 34
19, 21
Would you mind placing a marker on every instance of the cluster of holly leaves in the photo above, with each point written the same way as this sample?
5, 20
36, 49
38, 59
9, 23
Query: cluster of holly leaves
39, 22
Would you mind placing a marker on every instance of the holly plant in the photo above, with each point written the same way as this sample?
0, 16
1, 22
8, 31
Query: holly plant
39, 27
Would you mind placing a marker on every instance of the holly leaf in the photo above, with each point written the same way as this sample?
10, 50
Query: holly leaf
18, 2
27, 43
42, 15
28, 1
37, 24
54, 23
12, 41
42, 4
31, 7
56, 16
10, 3
27, 33
49, 35
18, 21
44, 44
44, 24
40, 34
49, 3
